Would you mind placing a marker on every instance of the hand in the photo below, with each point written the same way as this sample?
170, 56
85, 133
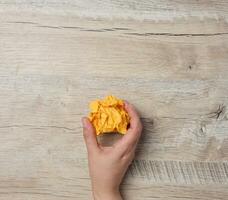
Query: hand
107, 165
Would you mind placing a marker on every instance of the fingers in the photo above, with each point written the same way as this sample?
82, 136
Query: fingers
135, 122
89, 135
133, 134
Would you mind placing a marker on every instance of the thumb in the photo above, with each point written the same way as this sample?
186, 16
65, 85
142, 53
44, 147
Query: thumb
89, 135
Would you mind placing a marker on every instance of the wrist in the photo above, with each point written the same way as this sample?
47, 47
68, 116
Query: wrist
107, 195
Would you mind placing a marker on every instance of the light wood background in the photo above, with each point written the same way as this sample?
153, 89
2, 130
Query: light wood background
169, 58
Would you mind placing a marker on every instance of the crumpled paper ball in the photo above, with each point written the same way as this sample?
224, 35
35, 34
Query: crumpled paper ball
108, 115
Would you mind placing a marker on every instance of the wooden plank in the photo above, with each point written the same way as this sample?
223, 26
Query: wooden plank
179, 172
173, 192
169, 87
125, 9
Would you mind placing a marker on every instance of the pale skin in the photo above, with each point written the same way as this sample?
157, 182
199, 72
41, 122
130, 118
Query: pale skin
107, 165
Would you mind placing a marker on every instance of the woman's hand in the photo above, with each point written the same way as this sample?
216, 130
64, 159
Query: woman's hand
107, 165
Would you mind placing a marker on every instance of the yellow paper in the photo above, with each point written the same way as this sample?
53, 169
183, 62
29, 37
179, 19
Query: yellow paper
108, 115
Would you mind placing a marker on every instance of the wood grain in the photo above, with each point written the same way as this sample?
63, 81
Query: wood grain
168, 58
125, 9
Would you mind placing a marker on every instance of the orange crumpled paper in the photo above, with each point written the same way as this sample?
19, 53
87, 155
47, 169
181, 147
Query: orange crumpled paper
108, 115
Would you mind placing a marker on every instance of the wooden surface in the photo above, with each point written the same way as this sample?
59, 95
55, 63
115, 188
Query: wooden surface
169, 58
